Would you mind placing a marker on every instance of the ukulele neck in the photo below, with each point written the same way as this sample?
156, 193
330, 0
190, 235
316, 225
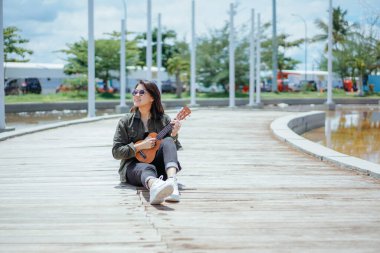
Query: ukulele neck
164, 131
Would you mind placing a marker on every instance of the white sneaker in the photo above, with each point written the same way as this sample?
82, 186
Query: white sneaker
159, 191
174, 197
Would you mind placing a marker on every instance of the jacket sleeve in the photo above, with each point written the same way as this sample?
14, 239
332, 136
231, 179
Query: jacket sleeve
123, 147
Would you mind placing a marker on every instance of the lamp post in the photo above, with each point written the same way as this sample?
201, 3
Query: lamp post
2, 95
329, 101
258, 63
232, 56
252, 60
274, 47
122, 108
159, 53
149, 41
91, 60
193, 56
304, 21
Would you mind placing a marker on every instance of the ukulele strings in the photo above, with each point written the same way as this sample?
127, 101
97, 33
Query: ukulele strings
168, 127
164, 131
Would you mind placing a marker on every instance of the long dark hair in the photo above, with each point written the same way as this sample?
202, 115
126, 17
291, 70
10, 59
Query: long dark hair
157, 110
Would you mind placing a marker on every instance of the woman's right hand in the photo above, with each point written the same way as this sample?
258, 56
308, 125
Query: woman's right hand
148, 143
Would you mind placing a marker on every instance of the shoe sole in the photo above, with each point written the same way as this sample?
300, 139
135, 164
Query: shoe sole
172, 199
164, 193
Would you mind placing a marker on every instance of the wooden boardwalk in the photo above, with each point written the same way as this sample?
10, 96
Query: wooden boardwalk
242, 191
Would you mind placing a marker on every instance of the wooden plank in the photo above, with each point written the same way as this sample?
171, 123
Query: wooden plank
242, 191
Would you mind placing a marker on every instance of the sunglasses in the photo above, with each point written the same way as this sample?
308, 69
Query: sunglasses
140, 92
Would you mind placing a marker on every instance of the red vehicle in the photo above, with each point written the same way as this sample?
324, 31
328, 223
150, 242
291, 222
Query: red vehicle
348, 86
282, 85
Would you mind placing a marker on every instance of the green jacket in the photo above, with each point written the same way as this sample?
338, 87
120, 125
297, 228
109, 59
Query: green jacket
129, 130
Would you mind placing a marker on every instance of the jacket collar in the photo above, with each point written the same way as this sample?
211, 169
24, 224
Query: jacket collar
137, 115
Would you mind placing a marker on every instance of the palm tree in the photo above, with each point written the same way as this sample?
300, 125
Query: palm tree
177, 65
342, 29
356, 51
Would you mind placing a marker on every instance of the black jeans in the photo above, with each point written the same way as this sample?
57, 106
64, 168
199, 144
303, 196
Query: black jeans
139, 173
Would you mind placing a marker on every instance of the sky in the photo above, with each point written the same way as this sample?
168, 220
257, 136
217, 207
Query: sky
51, 24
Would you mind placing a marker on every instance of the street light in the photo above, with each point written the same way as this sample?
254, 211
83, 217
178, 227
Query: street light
122, 107
2, 95
274, 47
304, 21
91, 61
149, 40
329, 101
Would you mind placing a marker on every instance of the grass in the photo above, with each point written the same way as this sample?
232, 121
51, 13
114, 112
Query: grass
82, 96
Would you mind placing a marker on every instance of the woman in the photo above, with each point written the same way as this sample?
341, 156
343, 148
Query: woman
147, 116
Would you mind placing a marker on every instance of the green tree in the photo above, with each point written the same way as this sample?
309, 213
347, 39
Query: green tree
168, 39
107, 57
13, 45
283, 61
342, 63
213, 58
362, 48
355, 50
341, 30
77, 57
179, 65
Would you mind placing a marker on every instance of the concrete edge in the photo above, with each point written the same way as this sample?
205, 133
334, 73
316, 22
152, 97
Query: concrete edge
16, 133
289, 128
7, 135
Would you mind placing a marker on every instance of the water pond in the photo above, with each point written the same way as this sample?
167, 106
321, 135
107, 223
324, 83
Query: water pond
353, 131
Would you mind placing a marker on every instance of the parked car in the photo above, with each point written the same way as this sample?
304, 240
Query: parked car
11, 87
22, 85
283, 85
168, 87
31, 85
294, 86
305, 85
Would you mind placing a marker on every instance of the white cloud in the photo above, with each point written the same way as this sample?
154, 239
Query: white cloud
50, 24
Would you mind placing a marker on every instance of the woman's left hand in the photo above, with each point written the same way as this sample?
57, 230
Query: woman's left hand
176, 124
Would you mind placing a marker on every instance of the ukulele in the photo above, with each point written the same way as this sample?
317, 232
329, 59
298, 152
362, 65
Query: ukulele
148, 155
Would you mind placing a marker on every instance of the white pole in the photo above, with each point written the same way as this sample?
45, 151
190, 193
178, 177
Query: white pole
232, 58
329, 79
159, 53
252, 61
193, 55
305, 48
122, 65
149, 42
90, 60
274, 46
2, 95
122, 58
258, 60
